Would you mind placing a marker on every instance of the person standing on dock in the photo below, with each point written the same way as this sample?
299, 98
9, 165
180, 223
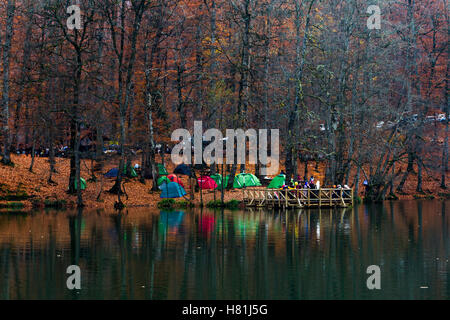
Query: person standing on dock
311, 183
347, 192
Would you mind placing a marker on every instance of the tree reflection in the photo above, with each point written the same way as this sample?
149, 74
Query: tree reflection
221, 254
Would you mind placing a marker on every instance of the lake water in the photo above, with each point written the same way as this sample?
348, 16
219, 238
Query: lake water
207, 254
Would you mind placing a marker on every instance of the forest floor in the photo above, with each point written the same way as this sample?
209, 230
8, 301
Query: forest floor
31, 187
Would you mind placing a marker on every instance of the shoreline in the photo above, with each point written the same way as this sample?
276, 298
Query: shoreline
32, 190
28, 207
35, 203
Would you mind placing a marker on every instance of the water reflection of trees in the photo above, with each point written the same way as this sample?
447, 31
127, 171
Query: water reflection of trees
201, 254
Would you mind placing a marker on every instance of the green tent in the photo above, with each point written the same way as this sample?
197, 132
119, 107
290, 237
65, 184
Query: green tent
83, 184
163, 179
162, 170
277, 182
218, 179
133, 172
245, 180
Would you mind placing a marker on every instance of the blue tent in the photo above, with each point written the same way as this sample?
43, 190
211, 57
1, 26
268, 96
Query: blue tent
172, 190
183, 169
163, 185
112, 173
115, 171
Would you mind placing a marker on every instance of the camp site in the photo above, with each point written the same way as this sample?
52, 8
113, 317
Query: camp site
247, 151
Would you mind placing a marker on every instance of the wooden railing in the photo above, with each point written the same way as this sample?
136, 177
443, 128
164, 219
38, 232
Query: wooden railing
326, 197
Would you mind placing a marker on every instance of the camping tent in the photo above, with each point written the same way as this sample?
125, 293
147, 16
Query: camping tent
218, 179
172, 190
161, 169
132, 171
206, 182
115, 171
83, 184
112, 173
163, 185
174, 178
163, 179
245, 180
277, 182
183, 169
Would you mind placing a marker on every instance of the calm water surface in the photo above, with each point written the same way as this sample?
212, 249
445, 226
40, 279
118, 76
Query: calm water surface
303, 254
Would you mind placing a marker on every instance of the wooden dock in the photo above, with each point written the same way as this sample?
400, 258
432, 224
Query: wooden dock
297, 198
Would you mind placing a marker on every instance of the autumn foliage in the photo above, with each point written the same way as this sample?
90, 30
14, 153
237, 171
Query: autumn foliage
363, 104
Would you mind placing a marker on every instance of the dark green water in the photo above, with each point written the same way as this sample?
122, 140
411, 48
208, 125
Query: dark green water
148, 254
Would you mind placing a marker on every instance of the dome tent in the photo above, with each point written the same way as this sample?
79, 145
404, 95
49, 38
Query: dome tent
132, 172
112, 173
243, 180
83, 184
206, 182
162, 171
172, 190
218, 179
115, 171
173, 178
277, 182
183, 169
162, 180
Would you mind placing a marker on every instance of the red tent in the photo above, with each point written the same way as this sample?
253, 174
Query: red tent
174, 178
205, 182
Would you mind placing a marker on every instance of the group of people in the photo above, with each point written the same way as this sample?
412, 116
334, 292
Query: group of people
300, 183
307, 184
40, 151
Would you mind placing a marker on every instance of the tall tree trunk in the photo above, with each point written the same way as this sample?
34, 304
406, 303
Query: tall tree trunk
244, 71
51, 153
447, 114
24, 73
409, 169
125, 88
75, 179
267, 44
356, 180
419, 174
151, 143
6, 73
33, 150
294, 116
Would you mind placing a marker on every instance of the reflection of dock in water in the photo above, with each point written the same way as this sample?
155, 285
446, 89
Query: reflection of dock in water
297, 198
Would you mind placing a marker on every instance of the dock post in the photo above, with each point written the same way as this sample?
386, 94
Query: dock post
320, 198
331, 197
279, 199
286, 198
